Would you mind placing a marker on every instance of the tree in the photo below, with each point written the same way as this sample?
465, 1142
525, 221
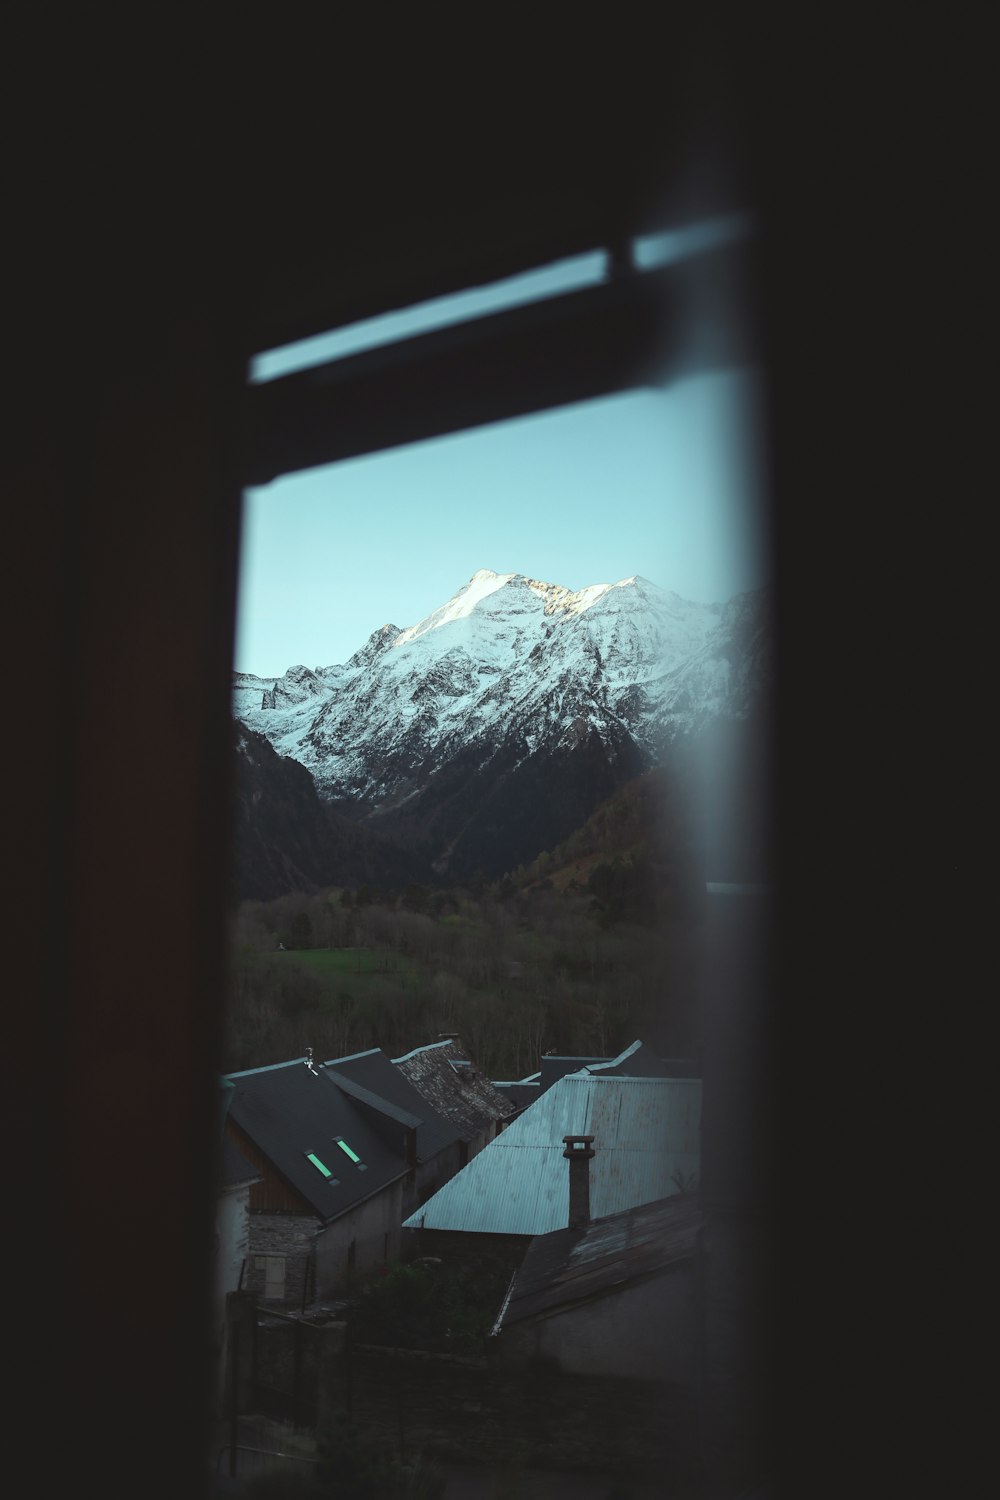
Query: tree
416, 898
300, 932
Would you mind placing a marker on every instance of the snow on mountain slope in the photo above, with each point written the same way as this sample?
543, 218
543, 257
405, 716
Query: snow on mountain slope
248, 692
508, 669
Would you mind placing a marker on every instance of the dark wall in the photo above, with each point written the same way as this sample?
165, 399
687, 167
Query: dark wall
162, 225
127, 503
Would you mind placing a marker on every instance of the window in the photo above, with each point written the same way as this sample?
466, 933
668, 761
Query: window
273, 1267
355, 1158
323, 1168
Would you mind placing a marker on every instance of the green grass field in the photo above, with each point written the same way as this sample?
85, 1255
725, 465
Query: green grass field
345, 961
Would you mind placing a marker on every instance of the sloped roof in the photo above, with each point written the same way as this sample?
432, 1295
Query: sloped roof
443, 1075
375, 1071
288, 1110
553, 1068
572, 1265
645, 1131
636, 1061
234, 1170
521, 1093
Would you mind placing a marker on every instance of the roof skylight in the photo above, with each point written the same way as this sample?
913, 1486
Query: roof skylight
348, 1152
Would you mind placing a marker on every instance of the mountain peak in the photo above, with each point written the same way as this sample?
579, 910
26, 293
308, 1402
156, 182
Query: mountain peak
427, 728
380, 640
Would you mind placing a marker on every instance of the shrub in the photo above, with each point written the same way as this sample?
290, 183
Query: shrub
357, 1466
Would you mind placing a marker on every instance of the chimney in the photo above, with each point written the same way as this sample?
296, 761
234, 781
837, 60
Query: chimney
579, 1153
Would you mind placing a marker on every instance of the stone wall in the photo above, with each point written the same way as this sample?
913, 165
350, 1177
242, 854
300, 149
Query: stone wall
323, 1261
280, 1236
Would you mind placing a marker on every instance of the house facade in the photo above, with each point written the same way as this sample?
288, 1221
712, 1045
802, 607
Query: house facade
340, 1161
330, 1196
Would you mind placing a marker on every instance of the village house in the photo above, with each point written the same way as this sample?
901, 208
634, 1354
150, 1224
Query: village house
447, 1079
440, 1147
647, 1135
617, 1296
338, 1163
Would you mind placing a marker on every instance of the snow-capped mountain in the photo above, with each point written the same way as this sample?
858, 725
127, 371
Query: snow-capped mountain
450, 732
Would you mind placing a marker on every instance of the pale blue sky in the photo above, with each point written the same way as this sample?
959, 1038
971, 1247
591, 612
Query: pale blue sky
658, 482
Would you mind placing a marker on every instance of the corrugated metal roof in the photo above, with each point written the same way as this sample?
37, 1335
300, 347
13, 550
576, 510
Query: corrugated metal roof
646, 1133
572, 1265
375, 1071
460, 1094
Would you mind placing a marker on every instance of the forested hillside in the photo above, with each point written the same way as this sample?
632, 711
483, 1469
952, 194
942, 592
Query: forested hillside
595, 943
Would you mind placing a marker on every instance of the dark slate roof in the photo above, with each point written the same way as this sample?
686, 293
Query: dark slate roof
570, 1266
384, 1108
234, 1169
287, 1110
377, 1073
444, 1076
